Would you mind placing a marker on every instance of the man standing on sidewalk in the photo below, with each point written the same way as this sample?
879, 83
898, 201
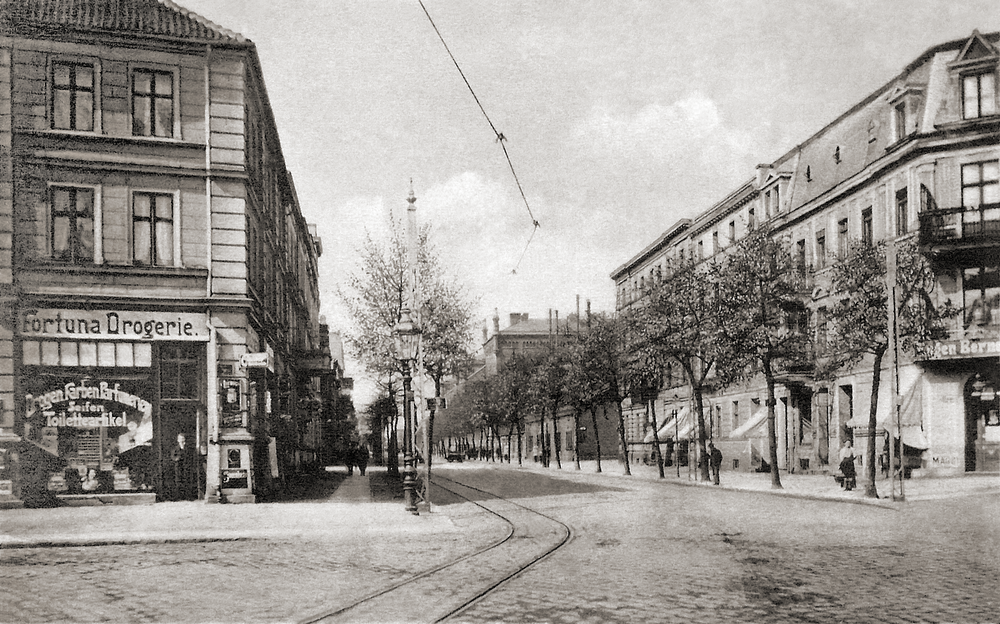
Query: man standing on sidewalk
714, 462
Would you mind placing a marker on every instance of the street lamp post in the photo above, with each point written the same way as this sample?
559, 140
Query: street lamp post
407, 336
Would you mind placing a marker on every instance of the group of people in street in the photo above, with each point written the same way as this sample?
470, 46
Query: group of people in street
356, 455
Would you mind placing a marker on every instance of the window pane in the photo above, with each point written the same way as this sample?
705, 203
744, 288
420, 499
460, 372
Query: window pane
141, 205
68, 355
164, 117
60, 238
142, 82
60, 75
105, 354
164, 243
987, 94
84, 77
31, 353
165, 207
84, 239
970, 196
164, 84
50, 354
140, 116
970, 94
140, 242
88, 354
143, 354
123, 354
60, 110
84, 111
84, 202
991, 171
970, 174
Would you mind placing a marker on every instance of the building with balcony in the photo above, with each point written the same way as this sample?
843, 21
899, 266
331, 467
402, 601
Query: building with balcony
915, 160
161, 326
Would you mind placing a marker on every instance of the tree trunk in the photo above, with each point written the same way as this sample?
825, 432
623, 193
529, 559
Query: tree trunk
651, 413
520, 438
544, 440
597, 434
870, 490
556, 438
576, 437
699, 402
772, 438
621, 435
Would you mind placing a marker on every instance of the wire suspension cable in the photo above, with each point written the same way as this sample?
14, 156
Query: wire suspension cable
500, 137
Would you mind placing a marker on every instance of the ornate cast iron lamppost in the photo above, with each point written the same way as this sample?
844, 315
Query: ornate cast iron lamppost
407, 336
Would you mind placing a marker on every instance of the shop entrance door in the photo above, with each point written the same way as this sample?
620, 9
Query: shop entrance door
182, 475
982, 424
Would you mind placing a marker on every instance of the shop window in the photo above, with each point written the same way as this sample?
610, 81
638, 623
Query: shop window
72, 106
152, 103
79, 353
153, 229
980, 183
979, 95
71, 224
179, 371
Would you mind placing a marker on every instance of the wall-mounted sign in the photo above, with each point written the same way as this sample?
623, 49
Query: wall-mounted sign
949, 349
255, 360
111, 325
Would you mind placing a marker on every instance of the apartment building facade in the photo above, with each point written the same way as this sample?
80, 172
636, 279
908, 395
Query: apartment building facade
159, 281
917, 161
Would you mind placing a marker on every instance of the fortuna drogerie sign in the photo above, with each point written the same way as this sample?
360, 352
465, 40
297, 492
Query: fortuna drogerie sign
111, 325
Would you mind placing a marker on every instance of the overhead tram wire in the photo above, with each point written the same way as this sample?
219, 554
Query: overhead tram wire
500, 137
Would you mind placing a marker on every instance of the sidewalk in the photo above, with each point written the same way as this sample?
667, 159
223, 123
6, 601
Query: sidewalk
814, 486
323, 506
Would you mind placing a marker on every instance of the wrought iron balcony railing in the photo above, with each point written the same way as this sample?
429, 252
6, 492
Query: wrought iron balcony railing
965, 225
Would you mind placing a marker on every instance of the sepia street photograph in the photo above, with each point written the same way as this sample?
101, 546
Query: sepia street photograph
499, 311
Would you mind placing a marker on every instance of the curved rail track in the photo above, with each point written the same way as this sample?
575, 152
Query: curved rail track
447, 590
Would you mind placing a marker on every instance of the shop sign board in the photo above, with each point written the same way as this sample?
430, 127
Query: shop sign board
57, 324
256, 360
951, 349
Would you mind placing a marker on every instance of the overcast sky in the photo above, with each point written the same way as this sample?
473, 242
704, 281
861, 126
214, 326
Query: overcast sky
621, 117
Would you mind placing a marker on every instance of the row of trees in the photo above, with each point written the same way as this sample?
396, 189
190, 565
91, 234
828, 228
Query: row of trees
751, 313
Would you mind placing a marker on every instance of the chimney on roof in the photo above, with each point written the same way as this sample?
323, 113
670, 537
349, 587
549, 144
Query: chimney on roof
496, 321
518, 317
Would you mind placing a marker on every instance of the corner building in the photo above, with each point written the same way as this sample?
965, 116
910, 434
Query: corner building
918, 159
158, 279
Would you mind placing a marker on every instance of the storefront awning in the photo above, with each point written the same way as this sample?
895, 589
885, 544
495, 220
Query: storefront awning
666, 431
749, 429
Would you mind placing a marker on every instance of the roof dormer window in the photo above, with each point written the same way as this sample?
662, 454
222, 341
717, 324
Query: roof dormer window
976, 67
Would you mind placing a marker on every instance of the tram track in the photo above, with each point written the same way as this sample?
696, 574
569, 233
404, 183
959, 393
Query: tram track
445, 591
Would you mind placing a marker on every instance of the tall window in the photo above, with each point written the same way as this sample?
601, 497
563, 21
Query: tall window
715, 242
899, 117
820, 249
842, 238
72, 96
979, 97
980, 183
902, 214
179, 371
981, 294
867, 234
72, 224
701, 250
821, 330
751, 219
153, 229
732, 232
800, 256
152, 103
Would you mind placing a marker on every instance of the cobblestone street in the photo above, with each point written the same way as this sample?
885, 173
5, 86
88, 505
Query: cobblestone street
640, 550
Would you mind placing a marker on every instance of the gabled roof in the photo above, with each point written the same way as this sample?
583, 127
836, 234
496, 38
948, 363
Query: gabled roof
149, 17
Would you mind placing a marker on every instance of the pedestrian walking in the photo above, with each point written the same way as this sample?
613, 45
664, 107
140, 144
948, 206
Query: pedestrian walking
714, 462
350, 458
361, 458
847, 466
